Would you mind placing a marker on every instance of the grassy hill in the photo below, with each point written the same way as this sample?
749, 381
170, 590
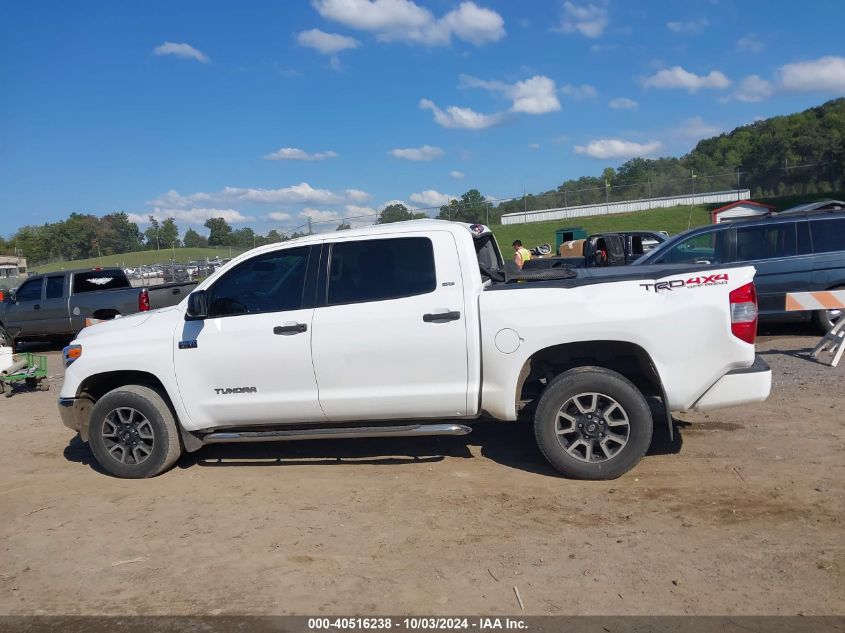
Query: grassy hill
139, 258
672, 220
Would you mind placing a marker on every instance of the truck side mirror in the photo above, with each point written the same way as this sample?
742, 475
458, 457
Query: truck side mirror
197, 306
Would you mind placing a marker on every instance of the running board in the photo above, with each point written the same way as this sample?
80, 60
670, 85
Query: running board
415, 430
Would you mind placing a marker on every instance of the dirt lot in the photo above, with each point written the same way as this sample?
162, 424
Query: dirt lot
743, 515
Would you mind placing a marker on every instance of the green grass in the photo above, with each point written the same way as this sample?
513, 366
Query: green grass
673, 220
131, 260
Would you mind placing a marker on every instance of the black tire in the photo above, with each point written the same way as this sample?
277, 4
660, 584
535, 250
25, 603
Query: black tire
824, 319
579, 462
116, 454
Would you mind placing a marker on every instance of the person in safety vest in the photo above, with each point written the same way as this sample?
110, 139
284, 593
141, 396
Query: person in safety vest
520, 254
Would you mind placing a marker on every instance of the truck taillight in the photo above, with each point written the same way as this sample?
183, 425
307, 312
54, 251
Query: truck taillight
143, 301
744, 312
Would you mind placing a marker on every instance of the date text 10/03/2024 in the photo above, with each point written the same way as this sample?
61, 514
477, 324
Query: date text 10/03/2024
417, 624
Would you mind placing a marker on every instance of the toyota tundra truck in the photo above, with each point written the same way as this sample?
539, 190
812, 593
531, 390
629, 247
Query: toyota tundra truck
414, 329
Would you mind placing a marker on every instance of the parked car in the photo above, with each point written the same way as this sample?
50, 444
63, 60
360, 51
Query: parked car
410, 329
601, 249
796, 251
54, 306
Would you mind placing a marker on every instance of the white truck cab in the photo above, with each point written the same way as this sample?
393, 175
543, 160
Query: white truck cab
413, 329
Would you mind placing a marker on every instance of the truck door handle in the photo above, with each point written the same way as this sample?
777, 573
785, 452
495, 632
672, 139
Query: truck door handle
439, 317
296, 328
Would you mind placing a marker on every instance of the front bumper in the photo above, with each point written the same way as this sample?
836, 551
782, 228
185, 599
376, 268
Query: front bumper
75, 413
740, 386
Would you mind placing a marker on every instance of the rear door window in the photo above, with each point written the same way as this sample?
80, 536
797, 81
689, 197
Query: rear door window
55, 287
828, 235
94, 280
375, 270
767, 241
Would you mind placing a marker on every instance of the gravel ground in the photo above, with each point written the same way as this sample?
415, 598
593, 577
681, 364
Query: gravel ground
742, 514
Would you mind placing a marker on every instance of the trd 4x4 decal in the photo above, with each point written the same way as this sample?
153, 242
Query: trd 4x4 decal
717, 279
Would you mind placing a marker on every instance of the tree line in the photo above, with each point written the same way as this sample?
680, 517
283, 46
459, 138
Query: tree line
796, 154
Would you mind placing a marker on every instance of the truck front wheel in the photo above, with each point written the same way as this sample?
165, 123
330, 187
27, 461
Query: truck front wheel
592, 423
133, 433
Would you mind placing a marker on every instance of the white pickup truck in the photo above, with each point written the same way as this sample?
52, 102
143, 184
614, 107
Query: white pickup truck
413, 329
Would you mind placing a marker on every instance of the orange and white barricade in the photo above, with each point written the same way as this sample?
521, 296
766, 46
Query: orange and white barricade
833, 342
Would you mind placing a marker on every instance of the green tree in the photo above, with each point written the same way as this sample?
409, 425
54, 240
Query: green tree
194, 239
153, 234
472, 207
343, 226
169, 234
243, 238
116, 234
397, 212
220, 232
273, 237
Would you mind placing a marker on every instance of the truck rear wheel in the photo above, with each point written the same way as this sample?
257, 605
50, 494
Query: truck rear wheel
592, 423
133, 433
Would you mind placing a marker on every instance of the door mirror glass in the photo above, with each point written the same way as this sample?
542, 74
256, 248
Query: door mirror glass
197, 306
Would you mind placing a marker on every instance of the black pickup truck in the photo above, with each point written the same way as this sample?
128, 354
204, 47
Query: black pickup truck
54, 306
601, 249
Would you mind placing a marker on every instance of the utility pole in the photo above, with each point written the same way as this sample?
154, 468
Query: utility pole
565, 205
487, 205
524, 202
692, 178
606, 196
310, 232
737, 183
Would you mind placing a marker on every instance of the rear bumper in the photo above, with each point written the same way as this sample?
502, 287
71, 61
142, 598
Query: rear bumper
740, 386
75, 413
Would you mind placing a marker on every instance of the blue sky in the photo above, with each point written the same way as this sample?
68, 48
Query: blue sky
269, 112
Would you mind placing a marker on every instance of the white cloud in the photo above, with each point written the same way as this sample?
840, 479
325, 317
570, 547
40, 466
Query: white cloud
584, 91
826, 74
692, 26
474, 24
193, 215
589, 20
303, 193
430, 198
677, 77
749, 43
753, 88
457, 117
279, 216
424, 153
405, 21
535, 95
533, 146
457, 175
294, 153
356, 195
356, 216
186, 51
326, 43
617, 148
318, 215
696, 128
623, 103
